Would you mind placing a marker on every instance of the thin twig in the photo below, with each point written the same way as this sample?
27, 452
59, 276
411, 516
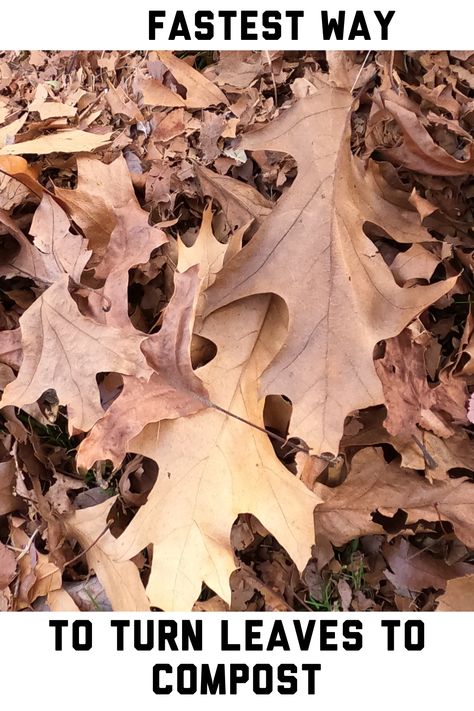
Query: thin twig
28, 545
360, 70
79, 555
273, 77
429, 461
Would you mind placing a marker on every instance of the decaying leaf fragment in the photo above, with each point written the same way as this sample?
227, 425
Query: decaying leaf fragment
341, 295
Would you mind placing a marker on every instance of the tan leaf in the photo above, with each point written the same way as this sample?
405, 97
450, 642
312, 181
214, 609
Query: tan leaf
373, 484
459, 596
418, 151
315, 236
50, 230
8, 501
64, 350
18, 168
200, 92
7, 566
10, 348
416, 263
8, 133
240, 202
50, 109
121, 580
172, 391
156, 94
29, 261
205, 251
213, 467
61, 601
101, 190
465, 361
131, 241
121, 104
66, 141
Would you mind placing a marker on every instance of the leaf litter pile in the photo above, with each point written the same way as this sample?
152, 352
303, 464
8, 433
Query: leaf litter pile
237, 336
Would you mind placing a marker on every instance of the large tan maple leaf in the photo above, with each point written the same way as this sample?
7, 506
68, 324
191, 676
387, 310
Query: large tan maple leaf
312, 251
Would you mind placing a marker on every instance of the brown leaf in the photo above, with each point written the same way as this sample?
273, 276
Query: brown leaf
18, 168
156, 94
10, 348
373, 484
7, 133
64, 350
172, 391
8, 501
409, 398
66, 141
50, 230
200, 92
61, 601
413, 570
121, 580
316, 230
7, 566
416, 263
101, 191
459, 595
418, 151
121, 104
240, 202
213, 467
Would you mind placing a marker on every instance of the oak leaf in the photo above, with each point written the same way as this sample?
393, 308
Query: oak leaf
341, 295
409, 398
373, 484
121, 581
240, 202
64, 350
419, 151
200, 92
66, 141
52, 237
172, 390
213, 467
412, 569
459, 595
101, 190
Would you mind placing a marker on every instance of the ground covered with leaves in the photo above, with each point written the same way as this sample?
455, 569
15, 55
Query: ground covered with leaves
237, 337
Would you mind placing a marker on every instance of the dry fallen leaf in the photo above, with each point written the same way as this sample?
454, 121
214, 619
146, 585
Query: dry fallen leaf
213, 467
64, 350
459, 595
101, 190
315, 236
121, 580
67, 141
374, 485
200, 92
172, 390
